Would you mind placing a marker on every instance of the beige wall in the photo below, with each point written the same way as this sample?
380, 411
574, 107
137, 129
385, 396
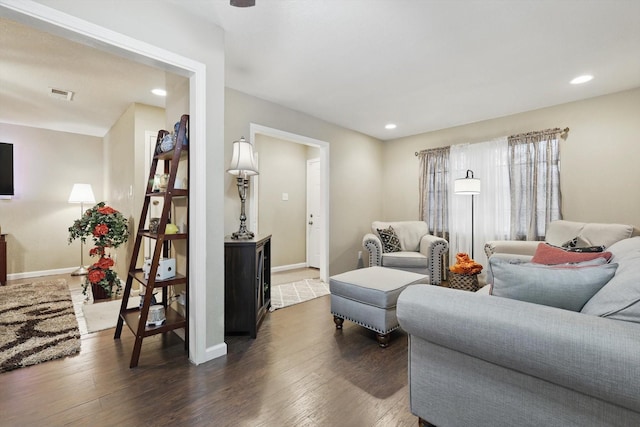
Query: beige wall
46, 165
599, 168
355, 180
125, 172
283, 169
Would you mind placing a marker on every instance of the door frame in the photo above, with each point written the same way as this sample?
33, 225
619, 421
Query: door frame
307, 218
45, 18
255, 129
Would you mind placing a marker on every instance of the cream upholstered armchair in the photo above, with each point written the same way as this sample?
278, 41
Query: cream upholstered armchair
406, 245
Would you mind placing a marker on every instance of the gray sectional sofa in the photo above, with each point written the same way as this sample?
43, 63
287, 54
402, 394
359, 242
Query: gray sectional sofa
481, 360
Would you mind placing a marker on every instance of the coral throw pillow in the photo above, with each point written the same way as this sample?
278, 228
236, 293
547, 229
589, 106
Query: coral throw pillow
551, 255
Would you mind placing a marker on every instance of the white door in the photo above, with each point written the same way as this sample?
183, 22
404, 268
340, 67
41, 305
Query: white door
314, 217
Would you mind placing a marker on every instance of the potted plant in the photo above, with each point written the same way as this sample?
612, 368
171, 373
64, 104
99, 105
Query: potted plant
109, 229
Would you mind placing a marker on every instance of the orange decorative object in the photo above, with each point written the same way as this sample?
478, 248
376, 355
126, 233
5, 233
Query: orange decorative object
465, 265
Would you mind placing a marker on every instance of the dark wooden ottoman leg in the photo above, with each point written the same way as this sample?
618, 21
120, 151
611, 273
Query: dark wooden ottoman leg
423, 423
383, 340
338, 321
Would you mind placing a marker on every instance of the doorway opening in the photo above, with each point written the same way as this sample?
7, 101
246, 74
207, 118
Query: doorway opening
320, 226
67, 26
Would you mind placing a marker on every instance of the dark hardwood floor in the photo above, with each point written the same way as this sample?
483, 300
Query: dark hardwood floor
300, 371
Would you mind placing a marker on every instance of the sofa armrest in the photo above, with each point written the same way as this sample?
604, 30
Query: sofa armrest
516, 247
373, 245
592, 355
434, 248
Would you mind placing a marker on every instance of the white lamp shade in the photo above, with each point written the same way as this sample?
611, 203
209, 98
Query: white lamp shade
242, 161
81, 193
466, 186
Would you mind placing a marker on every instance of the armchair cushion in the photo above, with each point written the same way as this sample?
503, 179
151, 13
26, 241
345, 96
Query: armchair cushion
405, 259
389, 239
409, 232
566, 287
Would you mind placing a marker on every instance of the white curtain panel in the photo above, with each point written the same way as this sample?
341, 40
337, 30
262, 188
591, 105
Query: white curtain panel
492, 210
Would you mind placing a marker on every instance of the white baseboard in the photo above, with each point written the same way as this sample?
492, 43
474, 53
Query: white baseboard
288, 267
29, 274
215, 351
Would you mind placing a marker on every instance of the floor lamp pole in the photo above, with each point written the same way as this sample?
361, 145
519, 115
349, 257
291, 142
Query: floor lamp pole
82, 271
472, 222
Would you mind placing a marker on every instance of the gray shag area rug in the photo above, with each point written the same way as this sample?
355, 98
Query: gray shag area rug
37, 323
296, 292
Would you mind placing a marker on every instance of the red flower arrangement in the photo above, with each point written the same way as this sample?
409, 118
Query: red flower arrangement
108, 227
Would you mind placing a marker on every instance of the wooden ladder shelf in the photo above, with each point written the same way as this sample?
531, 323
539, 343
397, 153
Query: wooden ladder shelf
136, 318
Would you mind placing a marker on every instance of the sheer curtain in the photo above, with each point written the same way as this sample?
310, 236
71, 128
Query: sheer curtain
534, 161
489, 162
434, 178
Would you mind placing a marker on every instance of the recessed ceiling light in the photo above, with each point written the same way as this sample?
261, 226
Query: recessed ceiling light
390, 126
159, 92
581, 79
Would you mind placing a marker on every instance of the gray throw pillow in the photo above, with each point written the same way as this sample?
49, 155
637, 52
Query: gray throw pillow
563, 287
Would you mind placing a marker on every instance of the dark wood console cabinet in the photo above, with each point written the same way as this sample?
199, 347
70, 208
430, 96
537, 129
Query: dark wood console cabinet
247, 284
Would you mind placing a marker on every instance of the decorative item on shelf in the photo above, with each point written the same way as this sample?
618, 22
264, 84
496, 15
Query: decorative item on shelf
242, 166
153, 225
161, 181
81, 193
166, 269
171, 229
468, 186
108, 228
156, 315
153, 299
176, 129
464, 273
168, 142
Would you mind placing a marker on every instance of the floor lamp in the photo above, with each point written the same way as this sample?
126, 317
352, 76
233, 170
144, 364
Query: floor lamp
81, 193
468, 186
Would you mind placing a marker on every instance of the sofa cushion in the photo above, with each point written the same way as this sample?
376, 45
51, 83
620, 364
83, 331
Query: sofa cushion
566, 287
589, 234
405, 260
389, 239
548, 254
620, 299
561, 231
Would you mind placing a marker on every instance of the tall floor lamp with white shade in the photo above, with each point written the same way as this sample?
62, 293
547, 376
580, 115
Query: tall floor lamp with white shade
468, 186
81, 193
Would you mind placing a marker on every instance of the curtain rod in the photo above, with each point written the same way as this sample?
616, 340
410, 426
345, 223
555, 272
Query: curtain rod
563, 134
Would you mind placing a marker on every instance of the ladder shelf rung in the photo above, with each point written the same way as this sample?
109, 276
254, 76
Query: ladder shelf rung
178, 279
175, 320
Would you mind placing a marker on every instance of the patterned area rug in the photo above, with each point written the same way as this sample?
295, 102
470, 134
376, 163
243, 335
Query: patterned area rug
37, 323
296, 292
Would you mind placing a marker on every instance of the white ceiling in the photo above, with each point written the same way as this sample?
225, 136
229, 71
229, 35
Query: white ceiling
421, 64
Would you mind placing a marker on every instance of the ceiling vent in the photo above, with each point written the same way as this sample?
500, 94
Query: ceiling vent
65, 95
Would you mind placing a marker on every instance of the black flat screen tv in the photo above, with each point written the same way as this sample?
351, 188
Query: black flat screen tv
6, 169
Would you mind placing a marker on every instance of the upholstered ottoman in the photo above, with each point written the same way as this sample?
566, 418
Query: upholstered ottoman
368, 297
